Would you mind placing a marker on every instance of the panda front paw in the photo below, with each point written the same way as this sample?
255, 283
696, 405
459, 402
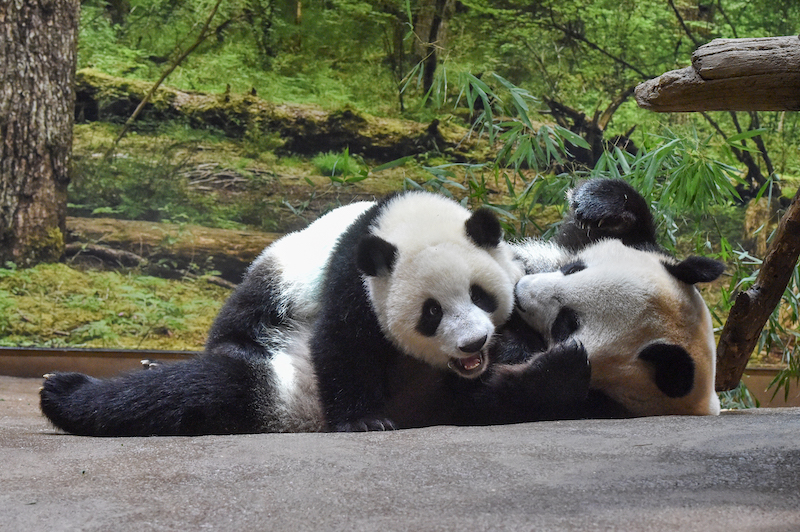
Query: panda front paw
365, 424
569, 371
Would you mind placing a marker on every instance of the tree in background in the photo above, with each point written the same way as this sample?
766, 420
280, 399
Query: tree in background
37, 101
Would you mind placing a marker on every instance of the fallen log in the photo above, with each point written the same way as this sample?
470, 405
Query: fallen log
302, 129
730, 75
167, 247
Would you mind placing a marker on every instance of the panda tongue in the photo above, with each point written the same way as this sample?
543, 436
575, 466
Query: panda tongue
470, 363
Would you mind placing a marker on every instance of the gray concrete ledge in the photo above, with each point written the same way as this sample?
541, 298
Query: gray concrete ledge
738, 471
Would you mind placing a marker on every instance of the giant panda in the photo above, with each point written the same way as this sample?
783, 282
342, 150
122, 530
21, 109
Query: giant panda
284, 353
390, 327
633, 307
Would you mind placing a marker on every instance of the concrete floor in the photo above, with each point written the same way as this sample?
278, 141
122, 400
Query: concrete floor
738, 471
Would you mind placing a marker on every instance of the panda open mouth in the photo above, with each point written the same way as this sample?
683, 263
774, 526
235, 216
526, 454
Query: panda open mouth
470, 366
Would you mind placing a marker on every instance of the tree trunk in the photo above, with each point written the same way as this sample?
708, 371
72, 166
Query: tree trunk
752, 308
430, 27
37, 102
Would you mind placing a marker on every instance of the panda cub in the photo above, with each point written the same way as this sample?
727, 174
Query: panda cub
406, 321
379, 315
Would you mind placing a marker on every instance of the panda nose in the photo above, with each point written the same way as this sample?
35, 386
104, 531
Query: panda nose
474, 347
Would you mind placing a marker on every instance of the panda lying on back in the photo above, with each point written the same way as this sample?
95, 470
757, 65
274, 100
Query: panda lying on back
405, 322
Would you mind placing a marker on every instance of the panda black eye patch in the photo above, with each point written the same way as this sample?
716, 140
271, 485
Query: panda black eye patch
482, 299
573, 267
430, 317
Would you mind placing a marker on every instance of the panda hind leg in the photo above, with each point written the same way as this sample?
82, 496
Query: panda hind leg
205, 395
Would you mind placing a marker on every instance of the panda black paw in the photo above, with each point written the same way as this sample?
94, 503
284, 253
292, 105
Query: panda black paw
365, 424
569, 370
56, 396
607, 208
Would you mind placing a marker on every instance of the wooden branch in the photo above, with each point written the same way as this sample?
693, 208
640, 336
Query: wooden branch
115, 257
753, 306
730, 75
179, 247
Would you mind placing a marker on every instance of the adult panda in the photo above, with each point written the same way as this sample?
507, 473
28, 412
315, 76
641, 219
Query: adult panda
256, 375
633, 307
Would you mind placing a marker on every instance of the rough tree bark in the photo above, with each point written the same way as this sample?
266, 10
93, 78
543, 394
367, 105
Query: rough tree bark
730, 75
37, 73
430, 27
752, 308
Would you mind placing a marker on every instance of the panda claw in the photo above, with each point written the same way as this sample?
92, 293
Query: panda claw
366, 425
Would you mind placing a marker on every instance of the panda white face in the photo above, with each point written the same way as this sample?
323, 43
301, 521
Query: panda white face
440, 280
631, 315
443, 304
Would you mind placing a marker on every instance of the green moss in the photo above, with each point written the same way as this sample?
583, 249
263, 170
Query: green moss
46, 247
56, 305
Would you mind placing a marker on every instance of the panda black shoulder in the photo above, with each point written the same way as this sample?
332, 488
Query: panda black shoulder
347, 345
342, 270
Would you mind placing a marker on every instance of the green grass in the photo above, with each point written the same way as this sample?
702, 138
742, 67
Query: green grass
56, 305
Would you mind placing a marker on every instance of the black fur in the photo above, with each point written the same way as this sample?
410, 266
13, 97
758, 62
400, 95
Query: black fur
206, 395
693, 270
484, 228
565, 325
549, 385
674, 368
349, 352
607, 208
375, 256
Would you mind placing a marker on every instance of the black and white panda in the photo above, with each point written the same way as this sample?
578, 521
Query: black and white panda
287, 320
390, 327
644, 326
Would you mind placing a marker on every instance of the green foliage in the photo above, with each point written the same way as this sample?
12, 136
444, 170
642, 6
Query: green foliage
156, 187
738, 399
341, 168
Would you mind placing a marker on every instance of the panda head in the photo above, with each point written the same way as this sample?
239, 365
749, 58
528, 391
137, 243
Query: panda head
645, 327
440, 280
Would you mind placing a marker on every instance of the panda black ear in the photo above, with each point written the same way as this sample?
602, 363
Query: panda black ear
696, 270
484, 229
375, 256
674, 368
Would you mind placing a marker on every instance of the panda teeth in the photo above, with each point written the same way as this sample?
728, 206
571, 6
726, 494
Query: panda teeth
467, 366
470, 363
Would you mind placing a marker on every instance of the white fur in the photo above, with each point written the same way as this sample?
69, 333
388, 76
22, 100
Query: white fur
298, 259
436, 259
445, 273
625, 300
295, 406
